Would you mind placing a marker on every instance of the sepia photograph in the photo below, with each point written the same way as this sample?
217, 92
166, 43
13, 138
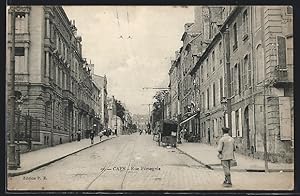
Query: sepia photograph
149, 98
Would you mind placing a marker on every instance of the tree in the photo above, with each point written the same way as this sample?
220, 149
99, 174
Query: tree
120, 110
158, 107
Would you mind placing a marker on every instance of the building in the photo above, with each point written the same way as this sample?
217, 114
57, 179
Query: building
51, 75
101, 83
174, 94
244, 74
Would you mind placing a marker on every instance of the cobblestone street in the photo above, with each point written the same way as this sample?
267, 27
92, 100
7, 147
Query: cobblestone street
136, 162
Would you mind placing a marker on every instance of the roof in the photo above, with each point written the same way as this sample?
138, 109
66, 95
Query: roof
215, 39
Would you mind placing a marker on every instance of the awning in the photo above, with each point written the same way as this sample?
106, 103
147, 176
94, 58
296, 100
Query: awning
189, 118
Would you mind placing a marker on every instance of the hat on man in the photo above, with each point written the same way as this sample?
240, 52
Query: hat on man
225, 129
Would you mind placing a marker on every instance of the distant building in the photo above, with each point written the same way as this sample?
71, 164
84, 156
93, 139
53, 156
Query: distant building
101, 83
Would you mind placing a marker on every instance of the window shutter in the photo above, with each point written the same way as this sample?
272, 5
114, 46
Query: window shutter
281, 52
233, 124
285, 118
240, 123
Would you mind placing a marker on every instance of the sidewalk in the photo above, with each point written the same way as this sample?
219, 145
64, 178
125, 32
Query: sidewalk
36, 159
207, 155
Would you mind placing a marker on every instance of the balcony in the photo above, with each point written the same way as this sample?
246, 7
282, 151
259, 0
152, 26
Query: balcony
283, 76
83, 106
68, 95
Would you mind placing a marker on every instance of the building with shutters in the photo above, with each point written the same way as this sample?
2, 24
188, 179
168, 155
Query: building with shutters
51, 75
244, 59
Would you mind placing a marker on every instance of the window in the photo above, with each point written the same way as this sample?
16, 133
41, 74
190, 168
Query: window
290, 50
257, 16
213, 60
233, 123
45, 63
57, 41
221, 88
220, 52
201, 72
232, 82
239, 78
19, 51
249, 72
207, 98
63, 79
235, 43
50, 66
238, 122
207, 67
244, 72
56, 75
214, 94
235, 79
20, 60
51, 31
46, 114
46, 28
20, 22
245, 24
203, 97
260, 69
281, 52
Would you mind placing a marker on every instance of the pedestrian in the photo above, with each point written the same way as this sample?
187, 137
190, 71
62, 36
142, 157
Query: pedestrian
116, 132
78, 135
101, 134
226, 148
141, 132
92, 134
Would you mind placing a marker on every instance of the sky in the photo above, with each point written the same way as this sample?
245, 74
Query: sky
131, 45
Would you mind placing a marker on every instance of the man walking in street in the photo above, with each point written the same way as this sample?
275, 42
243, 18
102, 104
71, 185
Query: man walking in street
226, 150
92, 134
78, 135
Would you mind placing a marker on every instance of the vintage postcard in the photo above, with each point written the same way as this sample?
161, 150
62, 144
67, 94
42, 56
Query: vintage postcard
104, 98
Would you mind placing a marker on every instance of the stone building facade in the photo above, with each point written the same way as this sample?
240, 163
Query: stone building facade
51, 73
101, 83
248, 63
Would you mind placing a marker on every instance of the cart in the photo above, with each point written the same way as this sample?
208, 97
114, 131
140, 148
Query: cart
167, 133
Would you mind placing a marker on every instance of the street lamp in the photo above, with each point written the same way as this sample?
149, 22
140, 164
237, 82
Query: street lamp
19, 103
12, 147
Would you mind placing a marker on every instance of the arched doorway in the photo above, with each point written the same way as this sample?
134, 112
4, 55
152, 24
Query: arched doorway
246, 123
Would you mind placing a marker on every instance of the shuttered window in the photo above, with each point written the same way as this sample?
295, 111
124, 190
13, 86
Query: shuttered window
249, 71
233, 124
281, 52
285, 118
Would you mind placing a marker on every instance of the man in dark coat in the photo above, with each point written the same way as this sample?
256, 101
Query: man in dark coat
92, 134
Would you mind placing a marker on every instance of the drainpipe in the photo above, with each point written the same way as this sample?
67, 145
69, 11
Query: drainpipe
264, 101
228, 75
253, 76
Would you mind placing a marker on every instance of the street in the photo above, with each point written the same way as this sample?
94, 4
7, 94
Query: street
136, 162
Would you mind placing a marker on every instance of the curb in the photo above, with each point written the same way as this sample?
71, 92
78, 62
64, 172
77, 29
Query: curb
206, 165
52, 161
209, 166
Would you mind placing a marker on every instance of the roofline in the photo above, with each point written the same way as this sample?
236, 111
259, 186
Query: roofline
216, 38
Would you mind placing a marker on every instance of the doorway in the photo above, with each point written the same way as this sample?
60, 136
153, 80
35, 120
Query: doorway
246, 122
